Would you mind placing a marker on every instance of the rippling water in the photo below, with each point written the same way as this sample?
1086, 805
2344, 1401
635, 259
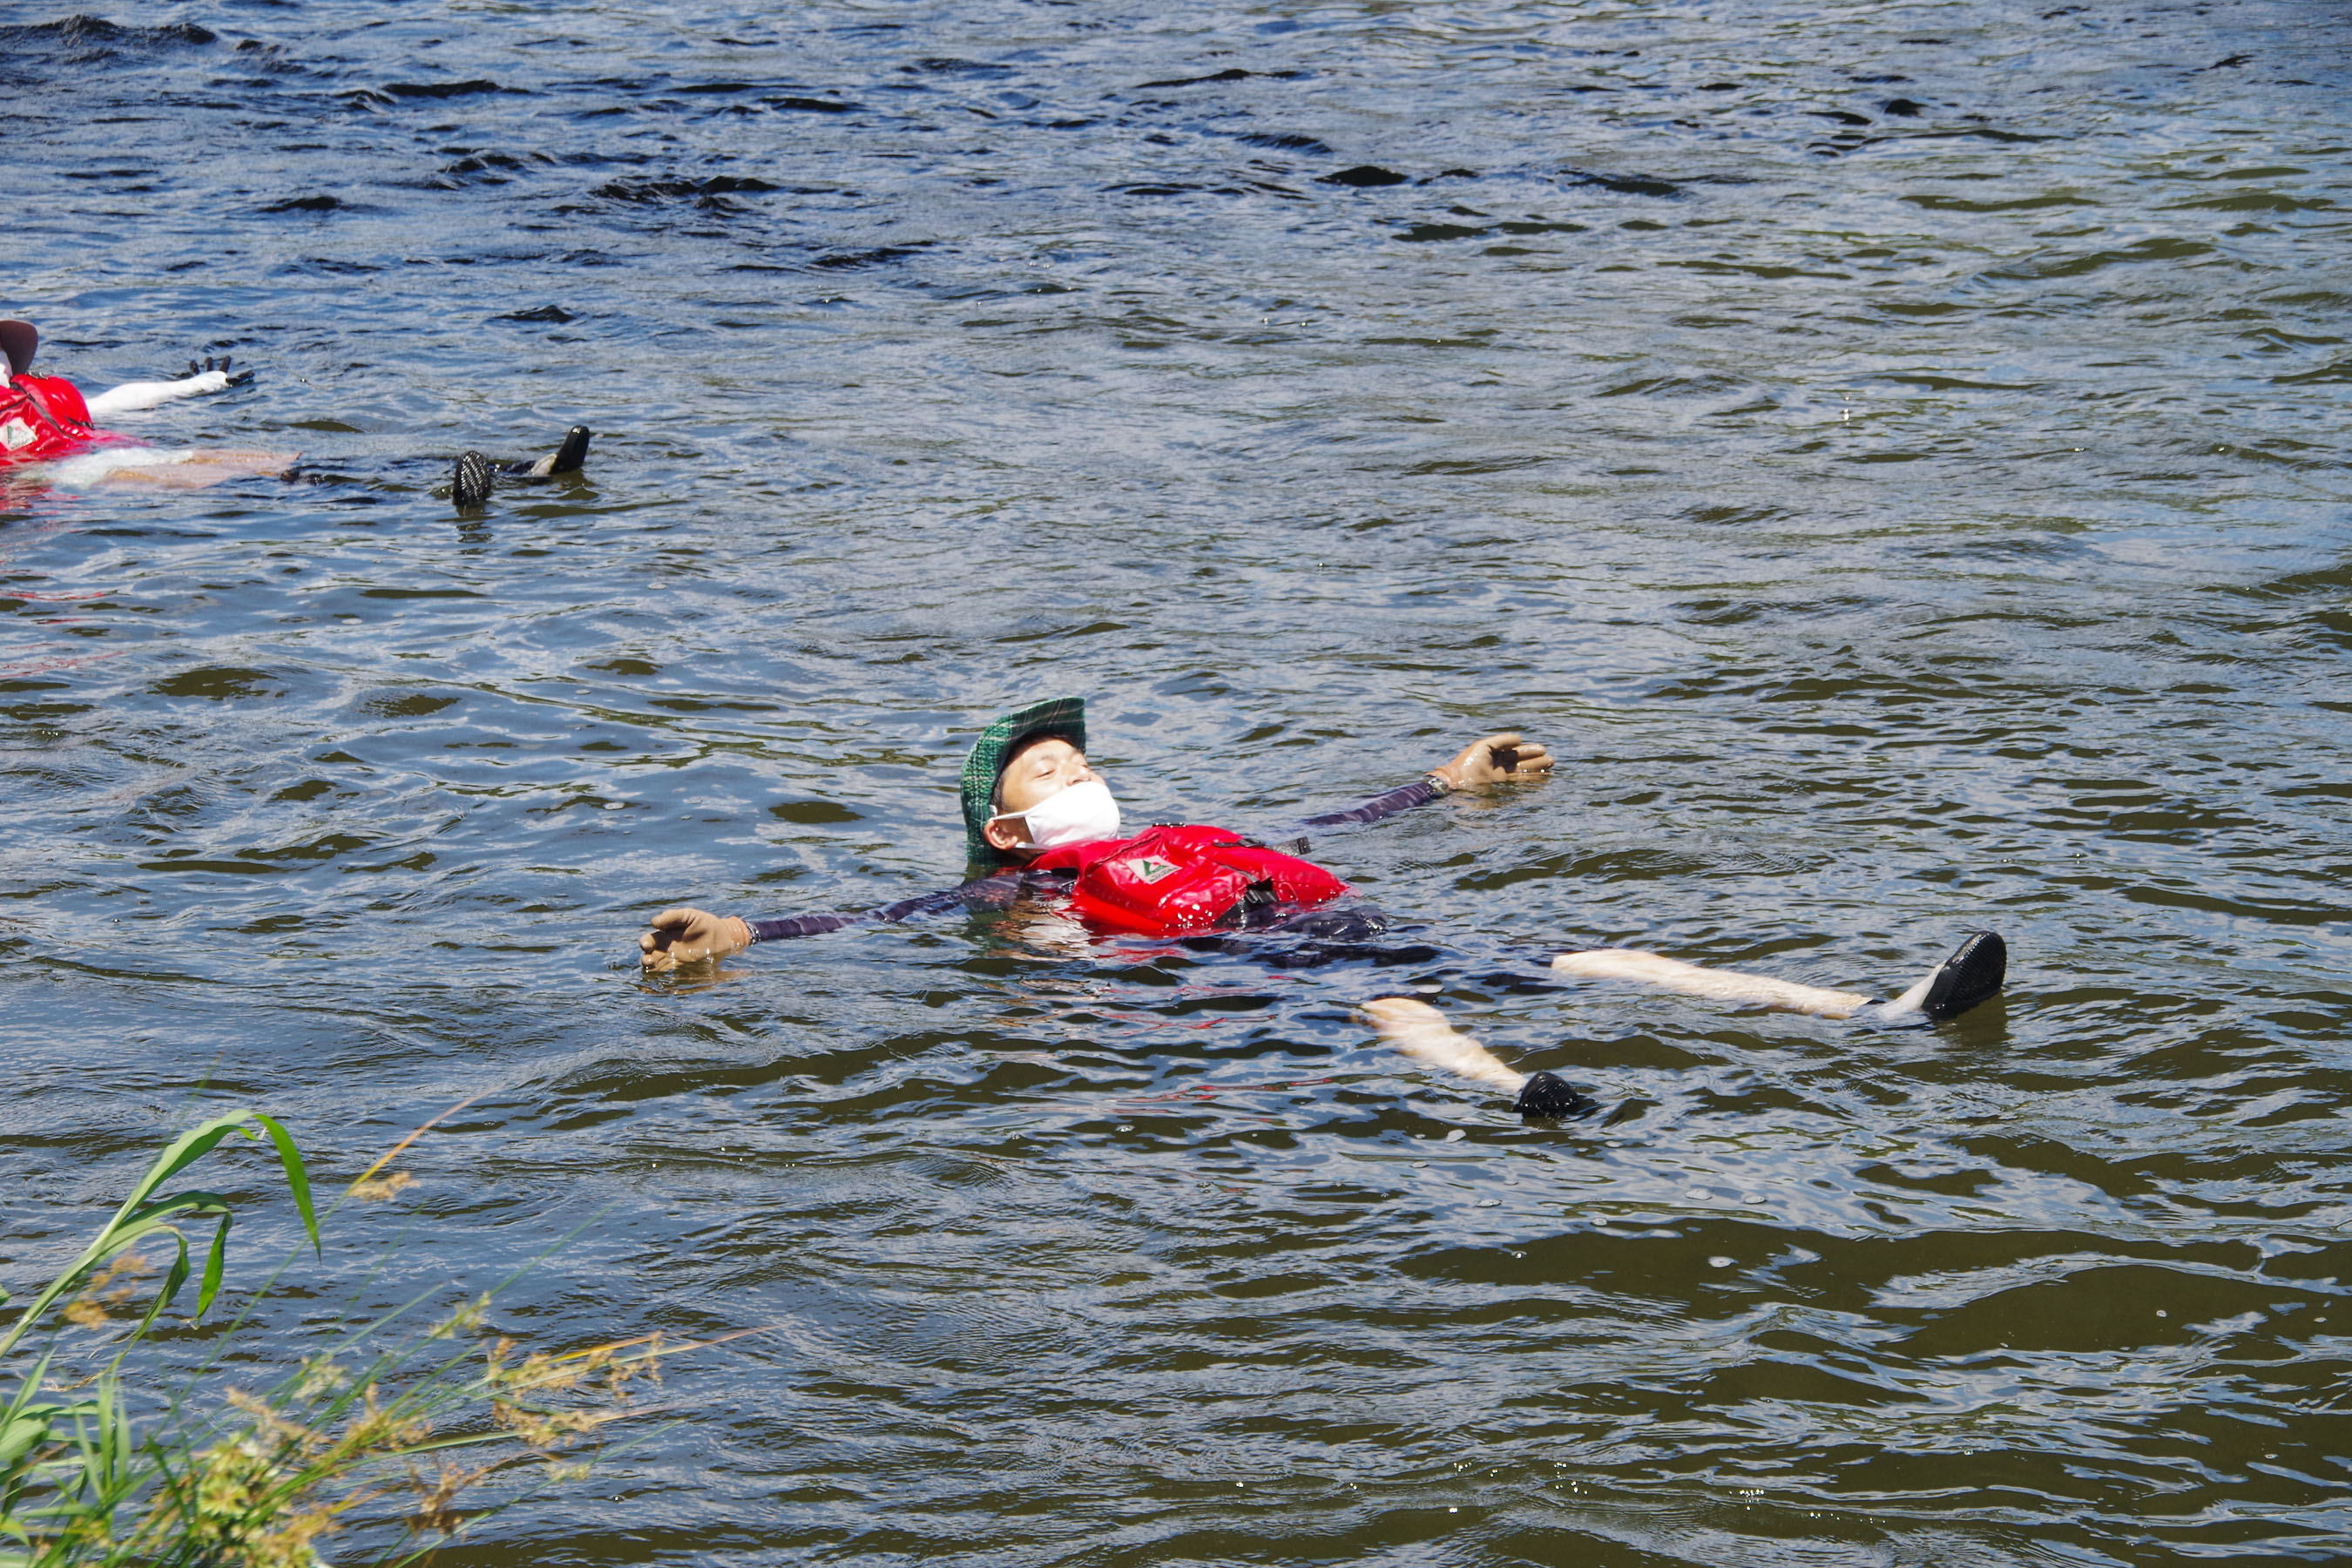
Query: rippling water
1894, 454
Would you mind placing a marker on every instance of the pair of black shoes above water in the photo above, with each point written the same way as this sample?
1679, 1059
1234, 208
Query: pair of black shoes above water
471, 483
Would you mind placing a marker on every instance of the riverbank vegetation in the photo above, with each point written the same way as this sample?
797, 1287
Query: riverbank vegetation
131, 1435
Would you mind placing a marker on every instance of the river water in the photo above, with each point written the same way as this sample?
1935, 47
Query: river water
1891, 453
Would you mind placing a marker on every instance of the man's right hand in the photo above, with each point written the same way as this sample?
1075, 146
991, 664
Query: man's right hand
212, 367
690, 936
1506, 755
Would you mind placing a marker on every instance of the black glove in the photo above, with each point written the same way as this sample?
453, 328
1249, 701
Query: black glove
241, 378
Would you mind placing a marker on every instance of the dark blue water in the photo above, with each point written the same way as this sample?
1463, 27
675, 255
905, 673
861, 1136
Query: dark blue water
1893, 454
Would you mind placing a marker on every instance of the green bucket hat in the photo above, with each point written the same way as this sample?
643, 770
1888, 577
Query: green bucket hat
1061, 716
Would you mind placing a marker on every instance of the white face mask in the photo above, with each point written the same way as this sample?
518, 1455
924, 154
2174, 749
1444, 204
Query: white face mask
1082, 812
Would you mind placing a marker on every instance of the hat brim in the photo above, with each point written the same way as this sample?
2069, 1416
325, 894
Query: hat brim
1064, 717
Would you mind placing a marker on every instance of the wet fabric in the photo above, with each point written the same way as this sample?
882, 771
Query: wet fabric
1284, 936
1000, 889
42, 419
1178, 878
987, 892
1404, 798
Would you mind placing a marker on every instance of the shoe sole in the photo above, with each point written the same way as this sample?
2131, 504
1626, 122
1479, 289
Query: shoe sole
1973, 974
469, 485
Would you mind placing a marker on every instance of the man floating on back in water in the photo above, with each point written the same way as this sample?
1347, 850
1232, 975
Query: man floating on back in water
45, 419
1037, 818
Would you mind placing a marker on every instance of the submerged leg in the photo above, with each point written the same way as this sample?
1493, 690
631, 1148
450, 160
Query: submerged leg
1973, 974
1720, 985
1309, 939
184, 469
1421, 1031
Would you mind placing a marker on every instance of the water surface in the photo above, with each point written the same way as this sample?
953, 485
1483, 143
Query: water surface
1893, 453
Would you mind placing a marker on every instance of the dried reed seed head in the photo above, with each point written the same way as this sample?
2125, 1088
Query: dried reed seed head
382, 1187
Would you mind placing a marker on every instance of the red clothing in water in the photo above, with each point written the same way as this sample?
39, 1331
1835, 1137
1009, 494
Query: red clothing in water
42, 419
1164, 882
1174, 879
1261, 871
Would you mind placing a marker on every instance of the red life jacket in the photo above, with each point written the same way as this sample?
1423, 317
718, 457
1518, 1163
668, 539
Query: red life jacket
42, 419
1170, 880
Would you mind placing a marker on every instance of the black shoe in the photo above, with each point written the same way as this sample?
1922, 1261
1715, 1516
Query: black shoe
565, 460
1972, 974
1544, 1098
573, 452
470, 485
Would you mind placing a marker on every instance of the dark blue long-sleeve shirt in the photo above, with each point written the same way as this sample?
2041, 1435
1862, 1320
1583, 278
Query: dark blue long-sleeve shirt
1000, 889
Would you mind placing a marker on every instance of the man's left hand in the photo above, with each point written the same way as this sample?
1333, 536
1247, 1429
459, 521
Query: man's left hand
690, 936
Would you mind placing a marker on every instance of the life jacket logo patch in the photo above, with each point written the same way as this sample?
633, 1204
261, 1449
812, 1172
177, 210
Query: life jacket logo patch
15, 434
1146, 869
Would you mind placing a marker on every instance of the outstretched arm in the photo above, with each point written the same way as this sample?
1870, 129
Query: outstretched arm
1505, 755
133, 397
695, 936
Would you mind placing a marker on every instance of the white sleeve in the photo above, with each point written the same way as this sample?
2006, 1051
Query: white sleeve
132, 396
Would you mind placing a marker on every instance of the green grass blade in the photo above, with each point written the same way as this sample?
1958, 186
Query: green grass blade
174, 1279
185, 1151
215, 1258
188, 1148
298, 1176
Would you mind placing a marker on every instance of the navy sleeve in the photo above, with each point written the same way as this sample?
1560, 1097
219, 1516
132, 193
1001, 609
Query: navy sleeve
803, 925
987, 892
1404, 798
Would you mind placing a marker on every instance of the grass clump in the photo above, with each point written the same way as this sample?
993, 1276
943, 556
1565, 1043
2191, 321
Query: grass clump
374, 1442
